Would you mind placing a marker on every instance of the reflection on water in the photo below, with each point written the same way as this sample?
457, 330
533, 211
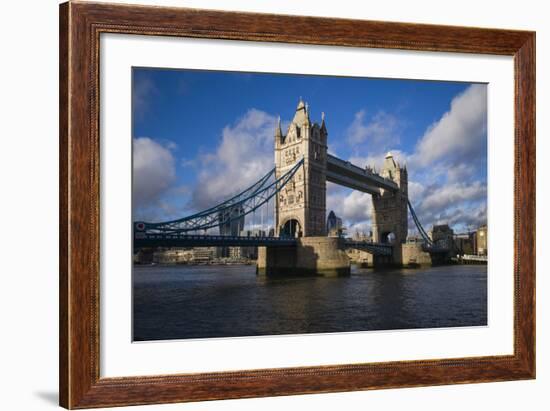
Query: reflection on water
176, 302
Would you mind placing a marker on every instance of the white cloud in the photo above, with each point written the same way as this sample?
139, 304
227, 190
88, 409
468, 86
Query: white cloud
416, 190
363, 227
376, 159
460, 205
459, 133
439, 169
453, 145
353, 207
381, 131
463, 218
244, 154
142, 91
451, 195
154, 172
460, 172
446, 181
356, 207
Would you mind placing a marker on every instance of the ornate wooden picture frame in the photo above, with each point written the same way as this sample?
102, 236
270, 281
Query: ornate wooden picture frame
80, 27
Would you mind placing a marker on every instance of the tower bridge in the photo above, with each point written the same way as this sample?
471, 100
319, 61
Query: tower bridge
297, 188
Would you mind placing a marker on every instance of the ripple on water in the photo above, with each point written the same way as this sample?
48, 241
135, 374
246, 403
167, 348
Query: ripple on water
178, 302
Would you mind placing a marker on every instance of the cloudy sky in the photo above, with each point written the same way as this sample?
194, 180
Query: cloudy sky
199, 137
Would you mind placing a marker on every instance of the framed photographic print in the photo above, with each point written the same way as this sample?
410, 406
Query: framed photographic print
257, 205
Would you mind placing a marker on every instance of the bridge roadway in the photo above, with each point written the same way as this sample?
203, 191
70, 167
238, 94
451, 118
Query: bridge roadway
434, 249
344, 173
373, 248
190, 240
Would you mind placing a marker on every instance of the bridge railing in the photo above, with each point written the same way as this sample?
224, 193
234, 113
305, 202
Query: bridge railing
480, 258
195, 240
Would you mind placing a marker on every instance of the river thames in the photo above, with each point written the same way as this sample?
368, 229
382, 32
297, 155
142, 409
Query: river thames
179, 302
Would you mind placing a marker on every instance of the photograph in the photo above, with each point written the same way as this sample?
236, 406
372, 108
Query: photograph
284, 204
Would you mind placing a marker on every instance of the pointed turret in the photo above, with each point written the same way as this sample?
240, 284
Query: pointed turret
278, 131
389, 168
323, 126
389, 162
301, 116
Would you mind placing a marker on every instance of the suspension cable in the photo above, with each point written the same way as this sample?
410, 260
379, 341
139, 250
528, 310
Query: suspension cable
421, 230
203, 220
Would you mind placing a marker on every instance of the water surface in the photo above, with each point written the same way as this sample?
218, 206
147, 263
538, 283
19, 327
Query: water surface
177, 302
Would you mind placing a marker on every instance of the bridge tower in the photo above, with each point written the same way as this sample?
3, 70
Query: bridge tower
301, 206
389, 211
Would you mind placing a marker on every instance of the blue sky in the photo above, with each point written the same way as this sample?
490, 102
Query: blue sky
200, 136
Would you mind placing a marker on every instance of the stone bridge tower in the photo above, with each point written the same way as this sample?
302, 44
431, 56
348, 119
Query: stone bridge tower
301, 206
390, 209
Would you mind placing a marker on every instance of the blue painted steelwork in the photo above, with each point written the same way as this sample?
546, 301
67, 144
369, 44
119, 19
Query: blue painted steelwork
421, 230
373, 248
191, 240
246, 202
175, 233
428, 245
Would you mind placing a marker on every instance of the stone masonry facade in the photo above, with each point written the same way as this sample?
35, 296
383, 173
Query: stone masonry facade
300, 209
390, 209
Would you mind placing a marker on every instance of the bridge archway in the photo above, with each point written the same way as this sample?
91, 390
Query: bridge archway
291, 229
388, 237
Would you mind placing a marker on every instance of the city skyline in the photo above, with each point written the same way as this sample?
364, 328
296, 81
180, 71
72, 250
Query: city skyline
199, 137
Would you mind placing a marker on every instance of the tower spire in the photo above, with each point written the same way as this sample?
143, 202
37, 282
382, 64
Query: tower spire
301, 116
278, 131
323, 125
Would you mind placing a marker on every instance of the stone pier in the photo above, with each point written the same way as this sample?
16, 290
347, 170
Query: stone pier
324, 256
414, 255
